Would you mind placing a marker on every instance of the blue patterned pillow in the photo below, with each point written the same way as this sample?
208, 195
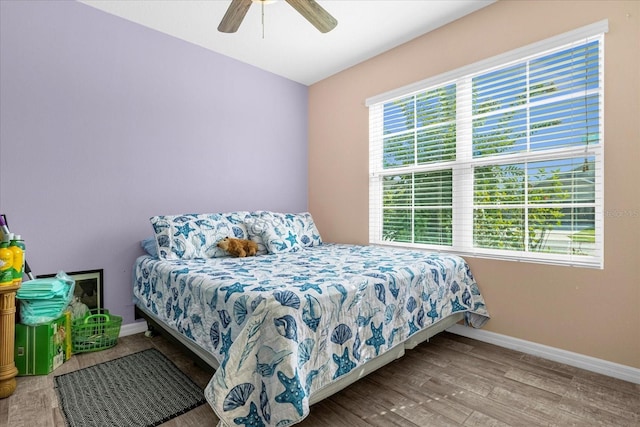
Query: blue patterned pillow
283, 232
149, 246
192, 236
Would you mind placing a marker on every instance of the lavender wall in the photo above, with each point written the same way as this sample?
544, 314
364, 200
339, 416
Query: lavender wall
104, 123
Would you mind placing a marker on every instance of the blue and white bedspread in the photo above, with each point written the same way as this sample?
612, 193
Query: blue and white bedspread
284, 326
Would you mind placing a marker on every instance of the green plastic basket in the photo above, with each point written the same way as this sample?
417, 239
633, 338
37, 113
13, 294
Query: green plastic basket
97, 330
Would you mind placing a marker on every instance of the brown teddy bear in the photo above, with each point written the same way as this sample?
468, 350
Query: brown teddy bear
238, 247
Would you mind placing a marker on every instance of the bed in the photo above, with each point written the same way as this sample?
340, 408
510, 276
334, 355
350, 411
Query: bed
302, 319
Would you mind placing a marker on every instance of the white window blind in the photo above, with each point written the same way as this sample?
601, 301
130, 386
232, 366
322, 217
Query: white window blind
503, 158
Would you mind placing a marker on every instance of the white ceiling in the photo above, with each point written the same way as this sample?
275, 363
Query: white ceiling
291, 46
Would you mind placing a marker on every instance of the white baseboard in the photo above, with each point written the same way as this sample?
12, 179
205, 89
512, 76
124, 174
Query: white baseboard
133, 328
589, 363
615, 370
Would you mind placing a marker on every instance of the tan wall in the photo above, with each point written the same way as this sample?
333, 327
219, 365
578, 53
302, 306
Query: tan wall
587, 311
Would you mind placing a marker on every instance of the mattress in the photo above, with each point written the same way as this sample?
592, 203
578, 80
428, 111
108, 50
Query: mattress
285, 327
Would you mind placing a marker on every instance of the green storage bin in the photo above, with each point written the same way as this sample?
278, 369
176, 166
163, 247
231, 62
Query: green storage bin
97, 330
42, 348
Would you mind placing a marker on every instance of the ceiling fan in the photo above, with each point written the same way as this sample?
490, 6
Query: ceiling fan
309, 9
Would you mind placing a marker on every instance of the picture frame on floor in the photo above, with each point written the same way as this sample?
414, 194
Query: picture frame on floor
88, 288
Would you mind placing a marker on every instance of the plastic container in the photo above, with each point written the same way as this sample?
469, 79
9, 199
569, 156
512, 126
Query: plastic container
6, 262
97, 330
45, 299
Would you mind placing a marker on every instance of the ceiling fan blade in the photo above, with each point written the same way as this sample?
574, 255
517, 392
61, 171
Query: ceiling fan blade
233, 17
315, 14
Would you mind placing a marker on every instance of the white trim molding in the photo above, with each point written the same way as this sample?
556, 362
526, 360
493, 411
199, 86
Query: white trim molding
615, 370
611, 369
133, 328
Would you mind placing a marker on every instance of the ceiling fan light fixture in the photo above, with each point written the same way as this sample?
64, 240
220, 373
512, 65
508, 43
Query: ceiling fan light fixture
309, 9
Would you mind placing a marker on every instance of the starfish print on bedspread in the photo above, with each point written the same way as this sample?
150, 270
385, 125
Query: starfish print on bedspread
293, 392
308, 286
456, 306
146, 289
236, 287
252, 419
226, 345
177, 311
412, 326
292, 238
184, 230
345, 364
377, 340
433, 313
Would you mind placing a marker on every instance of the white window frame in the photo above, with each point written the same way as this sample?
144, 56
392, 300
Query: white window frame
462, 222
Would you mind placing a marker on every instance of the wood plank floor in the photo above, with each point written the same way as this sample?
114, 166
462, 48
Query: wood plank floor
449, 381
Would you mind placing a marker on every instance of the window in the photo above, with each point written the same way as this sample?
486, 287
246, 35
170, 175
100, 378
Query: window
503, 158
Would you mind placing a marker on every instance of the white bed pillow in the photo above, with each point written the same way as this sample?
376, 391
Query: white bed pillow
283, 232
191, 236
